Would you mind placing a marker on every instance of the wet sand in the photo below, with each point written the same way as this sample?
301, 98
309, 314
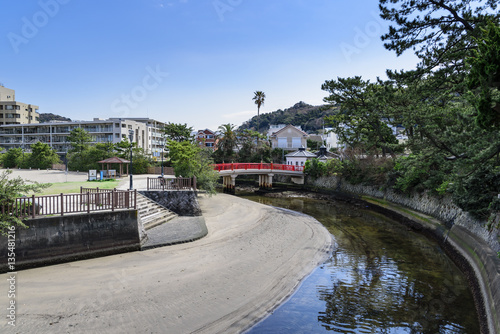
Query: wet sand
251, 260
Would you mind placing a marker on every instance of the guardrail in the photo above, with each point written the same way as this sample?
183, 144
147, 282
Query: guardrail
258, 166
178, 183
88, 200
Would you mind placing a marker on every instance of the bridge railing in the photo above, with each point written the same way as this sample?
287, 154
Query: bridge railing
258, 166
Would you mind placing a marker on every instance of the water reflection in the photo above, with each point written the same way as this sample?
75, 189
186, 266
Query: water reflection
381, 278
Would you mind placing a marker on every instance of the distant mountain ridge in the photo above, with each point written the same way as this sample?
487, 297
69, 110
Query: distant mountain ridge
47, 117
309, 117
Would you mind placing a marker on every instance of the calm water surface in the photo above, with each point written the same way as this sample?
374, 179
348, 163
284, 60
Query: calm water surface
381, 278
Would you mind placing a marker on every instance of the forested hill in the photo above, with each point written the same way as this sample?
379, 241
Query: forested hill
303, 114
47, 117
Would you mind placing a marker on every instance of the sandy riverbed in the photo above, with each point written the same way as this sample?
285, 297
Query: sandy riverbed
252, 259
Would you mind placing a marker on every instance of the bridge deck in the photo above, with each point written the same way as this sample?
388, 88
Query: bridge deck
258, 168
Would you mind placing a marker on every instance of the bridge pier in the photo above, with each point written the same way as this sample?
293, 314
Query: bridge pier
229, 184
266, 181
265, 171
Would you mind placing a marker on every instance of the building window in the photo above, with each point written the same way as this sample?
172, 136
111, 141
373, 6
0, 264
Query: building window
9, 107
123, 125
18, 107
1, 107
1, 115
117, 125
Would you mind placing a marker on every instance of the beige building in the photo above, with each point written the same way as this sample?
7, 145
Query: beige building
15, 112
289, 138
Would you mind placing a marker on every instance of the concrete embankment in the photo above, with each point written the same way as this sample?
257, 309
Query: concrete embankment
468, 242
251, 260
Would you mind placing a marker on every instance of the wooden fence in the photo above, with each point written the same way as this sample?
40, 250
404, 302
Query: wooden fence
179, 183
88, 200
157, 170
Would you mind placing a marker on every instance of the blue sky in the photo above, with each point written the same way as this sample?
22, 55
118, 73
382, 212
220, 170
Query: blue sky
185, 61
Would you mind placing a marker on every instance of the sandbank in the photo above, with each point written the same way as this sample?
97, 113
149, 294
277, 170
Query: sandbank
253, 258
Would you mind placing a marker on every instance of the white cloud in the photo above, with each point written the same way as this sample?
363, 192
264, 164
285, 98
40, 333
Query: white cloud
240, 114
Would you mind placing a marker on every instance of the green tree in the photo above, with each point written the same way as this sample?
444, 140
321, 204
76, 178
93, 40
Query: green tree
178, 132
361, 120
79, 140
227, 143
12, 158
452, 142
444, 34
484, 76
259, 98
248, 144
315, 168
43, 156
10, 189
189, 160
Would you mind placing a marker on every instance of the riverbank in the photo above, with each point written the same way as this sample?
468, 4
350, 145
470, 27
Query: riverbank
251, 260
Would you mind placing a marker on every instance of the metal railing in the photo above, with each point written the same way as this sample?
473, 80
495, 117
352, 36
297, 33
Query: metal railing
258, 166
179, 183
88, 200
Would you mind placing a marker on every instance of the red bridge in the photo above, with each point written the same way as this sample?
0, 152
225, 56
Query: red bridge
266, 171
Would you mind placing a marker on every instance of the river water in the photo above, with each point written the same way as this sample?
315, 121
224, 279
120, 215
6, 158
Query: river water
381, 278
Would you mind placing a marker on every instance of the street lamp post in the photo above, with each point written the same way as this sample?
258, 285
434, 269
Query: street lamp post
162, 150
131, 137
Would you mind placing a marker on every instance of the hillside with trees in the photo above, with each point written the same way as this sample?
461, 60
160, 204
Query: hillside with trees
47, 117
309, 117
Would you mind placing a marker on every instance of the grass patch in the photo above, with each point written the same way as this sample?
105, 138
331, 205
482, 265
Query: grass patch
74, 187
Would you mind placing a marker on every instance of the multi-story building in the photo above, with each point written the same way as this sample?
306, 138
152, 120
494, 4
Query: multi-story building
206, 138
15, 112
155, 137
147, 133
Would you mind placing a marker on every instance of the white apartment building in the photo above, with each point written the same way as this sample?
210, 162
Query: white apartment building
147, 133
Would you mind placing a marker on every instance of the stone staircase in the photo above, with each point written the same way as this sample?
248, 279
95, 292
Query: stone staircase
152, 214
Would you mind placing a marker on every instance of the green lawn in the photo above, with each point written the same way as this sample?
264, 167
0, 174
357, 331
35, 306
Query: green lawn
74, 187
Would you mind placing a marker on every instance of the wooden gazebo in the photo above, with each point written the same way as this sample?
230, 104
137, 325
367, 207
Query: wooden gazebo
115, 160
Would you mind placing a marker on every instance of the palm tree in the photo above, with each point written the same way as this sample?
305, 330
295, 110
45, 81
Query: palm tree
259, 98
228, 141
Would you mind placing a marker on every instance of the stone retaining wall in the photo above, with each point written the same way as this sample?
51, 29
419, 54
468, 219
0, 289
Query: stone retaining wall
183, 203
442, 209
50, 240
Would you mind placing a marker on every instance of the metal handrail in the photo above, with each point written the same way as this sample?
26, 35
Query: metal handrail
178, 183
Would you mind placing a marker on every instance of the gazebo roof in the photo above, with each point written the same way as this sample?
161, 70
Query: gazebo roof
114, 160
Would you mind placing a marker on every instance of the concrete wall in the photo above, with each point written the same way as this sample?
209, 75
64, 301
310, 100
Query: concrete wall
58, 239
468, 242
183, 203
